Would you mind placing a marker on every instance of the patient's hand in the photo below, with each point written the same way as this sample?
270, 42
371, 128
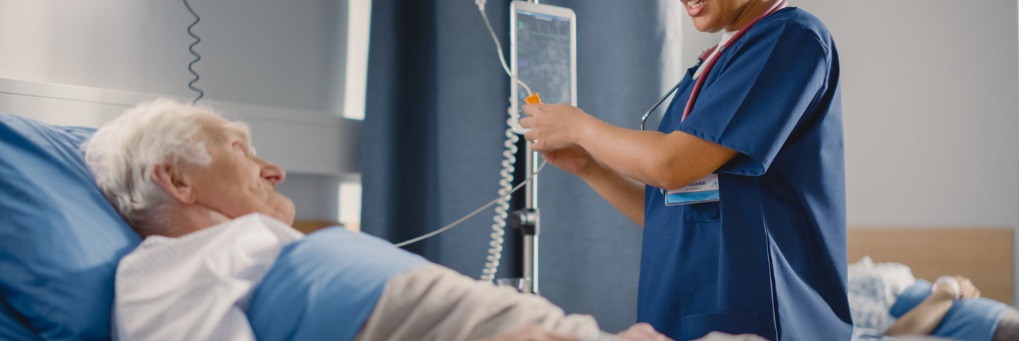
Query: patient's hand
530, 333
966, 289
642, 332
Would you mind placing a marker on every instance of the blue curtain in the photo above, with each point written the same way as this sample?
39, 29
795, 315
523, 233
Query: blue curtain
434, 128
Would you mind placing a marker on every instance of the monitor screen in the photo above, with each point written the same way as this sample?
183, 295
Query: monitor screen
544, 52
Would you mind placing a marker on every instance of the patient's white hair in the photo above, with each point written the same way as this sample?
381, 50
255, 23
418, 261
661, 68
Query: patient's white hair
122, 153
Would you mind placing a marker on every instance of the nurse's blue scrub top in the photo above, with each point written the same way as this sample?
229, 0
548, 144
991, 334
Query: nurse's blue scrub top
770, 257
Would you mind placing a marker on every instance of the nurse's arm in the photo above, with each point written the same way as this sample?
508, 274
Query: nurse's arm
661, 160
625, 194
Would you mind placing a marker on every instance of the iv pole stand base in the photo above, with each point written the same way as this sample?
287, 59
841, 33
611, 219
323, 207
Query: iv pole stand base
527, 221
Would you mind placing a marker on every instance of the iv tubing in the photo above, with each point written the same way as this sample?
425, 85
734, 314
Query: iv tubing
478, 210
501, 54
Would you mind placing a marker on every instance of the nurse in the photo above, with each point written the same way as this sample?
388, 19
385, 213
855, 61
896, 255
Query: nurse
741, 191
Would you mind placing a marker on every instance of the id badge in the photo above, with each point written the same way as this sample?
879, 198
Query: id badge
703, 190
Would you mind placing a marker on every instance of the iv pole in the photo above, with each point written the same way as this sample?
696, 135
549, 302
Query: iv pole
531, 241
528, 221
530, 225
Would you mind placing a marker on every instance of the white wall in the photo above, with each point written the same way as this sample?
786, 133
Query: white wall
265, 52
279, 65
930, 109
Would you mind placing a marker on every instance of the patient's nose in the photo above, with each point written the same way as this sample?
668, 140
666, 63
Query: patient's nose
272, 172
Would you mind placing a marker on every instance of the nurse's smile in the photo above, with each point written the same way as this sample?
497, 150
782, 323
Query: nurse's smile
693, 7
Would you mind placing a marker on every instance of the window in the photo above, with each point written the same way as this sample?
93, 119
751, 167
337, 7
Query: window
350, 191
350, 194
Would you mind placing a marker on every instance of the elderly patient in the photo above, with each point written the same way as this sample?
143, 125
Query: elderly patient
887, 300
190, 183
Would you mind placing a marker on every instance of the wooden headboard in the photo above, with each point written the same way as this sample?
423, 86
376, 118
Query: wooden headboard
985, 255
307, 226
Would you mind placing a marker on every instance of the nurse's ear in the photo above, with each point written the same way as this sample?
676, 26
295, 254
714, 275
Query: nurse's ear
174, 182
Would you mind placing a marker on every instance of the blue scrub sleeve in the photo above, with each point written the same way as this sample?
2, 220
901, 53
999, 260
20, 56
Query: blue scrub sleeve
758, 92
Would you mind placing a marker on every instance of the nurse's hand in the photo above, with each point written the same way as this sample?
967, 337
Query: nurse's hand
574, 160
553, 126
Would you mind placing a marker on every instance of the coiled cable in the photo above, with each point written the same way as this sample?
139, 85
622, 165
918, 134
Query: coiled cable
507, 164
195, 55
501, 209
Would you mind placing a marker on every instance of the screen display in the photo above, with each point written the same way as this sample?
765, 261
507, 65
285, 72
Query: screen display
544, 58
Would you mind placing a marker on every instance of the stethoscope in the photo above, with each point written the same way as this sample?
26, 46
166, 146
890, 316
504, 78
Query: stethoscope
779, 4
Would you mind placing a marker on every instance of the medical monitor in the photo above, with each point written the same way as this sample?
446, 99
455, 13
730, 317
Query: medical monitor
543, 52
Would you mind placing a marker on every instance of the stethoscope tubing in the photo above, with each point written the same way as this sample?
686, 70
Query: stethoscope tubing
643, 120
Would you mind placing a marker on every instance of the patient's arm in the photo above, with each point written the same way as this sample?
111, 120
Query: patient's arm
531, 332
642, 332
436, 303
925, 317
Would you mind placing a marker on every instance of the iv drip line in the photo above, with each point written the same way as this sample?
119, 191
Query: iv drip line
475, 212
501, 54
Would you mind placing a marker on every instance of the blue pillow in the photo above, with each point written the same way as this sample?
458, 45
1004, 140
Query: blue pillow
60, 240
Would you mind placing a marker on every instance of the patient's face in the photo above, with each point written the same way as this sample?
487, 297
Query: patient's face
237, 182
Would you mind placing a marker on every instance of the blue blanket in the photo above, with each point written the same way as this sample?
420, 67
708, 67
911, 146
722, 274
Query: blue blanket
325, 286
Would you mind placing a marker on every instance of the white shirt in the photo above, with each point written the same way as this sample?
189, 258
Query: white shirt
718, 49
197, 286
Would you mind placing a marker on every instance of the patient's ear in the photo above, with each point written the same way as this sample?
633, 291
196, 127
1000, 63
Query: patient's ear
173, 182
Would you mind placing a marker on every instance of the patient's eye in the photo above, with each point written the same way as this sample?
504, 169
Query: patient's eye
244, 148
